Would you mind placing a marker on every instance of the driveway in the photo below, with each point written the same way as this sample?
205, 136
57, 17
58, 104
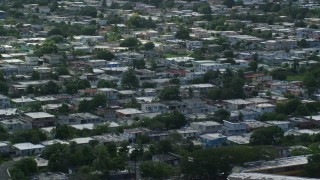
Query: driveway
3, 169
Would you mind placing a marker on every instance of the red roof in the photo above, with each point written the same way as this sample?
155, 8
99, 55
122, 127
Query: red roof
177, 71
89, 90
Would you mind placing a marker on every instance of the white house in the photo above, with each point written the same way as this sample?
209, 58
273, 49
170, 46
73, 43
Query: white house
112, 94
206, 126
284, 125
214, 66
27, 149
194, 44
234, 128
264, 108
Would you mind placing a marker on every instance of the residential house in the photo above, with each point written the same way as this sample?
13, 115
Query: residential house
206, 126
234, 128
52, 59
168, 158
280, 44
176, 106
98, 63
111, 94
284, 125
188, 133
79, 118
15, 124
144, 74
128, 113
4, 148
212, 140
22, 101
40, 119
27, 149
154, 107
282, 166
197, 106
236, 104
264, 108
191, 45
131, 134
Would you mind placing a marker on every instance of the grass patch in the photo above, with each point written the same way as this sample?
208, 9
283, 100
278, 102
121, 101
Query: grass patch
296, 77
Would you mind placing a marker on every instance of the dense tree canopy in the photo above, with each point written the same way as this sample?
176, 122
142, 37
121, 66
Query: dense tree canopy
130, 42
106, 55
170, 93
313, 166
183, 33
129, 80
155, 170
272, 135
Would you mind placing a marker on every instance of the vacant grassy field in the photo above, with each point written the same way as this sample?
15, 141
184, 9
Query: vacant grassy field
296, 77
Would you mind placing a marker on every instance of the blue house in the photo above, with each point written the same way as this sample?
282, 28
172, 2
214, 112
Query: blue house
213, 140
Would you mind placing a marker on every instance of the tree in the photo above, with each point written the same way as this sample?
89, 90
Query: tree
129, 80
155, 170
99, 100
58, 162
17, 174
4, 89
222, 114
106, 84
253, 66
172, 120
289, 107
64, 109
33, 107
210, 76
272, 135
183, 33
149, 46
302, 110
271, 116
310, 82
229, 3
313, 26
279, 74
217, 163
63, 131
133, 103
138, 64
61, 70
88, 11
175, 81
303, 43
170, 93
2, 78
106, 55
34, 136
140, 22
85, 106
130, 42
35, 75
313, 166
228, 54
27, 166
101, 161
51, 88
204, 8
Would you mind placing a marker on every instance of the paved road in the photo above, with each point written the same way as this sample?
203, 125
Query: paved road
3, 169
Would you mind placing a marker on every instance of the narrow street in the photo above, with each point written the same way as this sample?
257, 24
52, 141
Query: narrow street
3, 169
